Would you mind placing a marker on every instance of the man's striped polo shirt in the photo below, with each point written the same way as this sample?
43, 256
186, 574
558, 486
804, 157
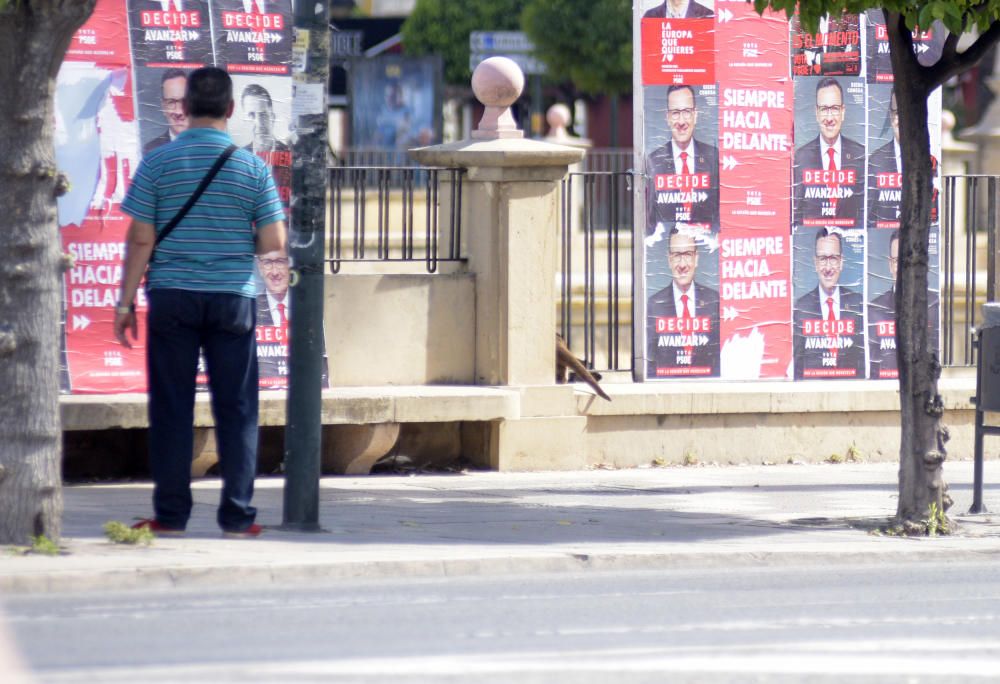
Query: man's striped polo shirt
212, 248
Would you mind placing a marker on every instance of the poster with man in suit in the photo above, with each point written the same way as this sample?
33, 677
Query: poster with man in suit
828, 171
682, 319
683, 174
681, 9
828, 318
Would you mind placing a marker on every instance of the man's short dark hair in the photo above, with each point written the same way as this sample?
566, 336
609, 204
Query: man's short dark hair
209, 93
825, 233
675, 88
828, 82
172, 73
255, 90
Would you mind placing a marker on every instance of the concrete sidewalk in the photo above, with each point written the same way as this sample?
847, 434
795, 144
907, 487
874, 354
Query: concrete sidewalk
485, 522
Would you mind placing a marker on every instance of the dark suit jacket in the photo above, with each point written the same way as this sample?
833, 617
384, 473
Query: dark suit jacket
158, 141
269, 366
882, 160
808, 157
694, 11
263, 311
661, 305
661, 160
882, 350
807, 307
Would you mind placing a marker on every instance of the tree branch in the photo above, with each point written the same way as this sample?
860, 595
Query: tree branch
959, 62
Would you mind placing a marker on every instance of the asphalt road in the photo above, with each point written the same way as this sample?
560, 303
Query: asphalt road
874, 623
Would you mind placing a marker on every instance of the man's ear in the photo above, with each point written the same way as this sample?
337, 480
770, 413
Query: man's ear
230, 109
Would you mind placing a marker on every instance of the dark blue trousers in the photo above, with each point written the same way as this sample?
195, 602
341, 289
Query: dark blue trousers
179, 323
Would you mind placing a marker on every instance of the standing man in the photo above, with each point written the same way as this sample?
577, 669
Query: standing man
200, 288
679, 9
829, 170
683, 318
684, 173
172, 86
829, 334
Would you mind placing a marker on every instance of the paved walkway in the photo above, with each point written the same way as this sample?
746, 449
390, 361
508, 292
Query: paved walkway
505, 523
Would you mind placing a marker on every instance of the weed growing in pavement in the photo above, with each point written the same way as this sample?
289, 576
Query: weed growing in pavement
690, 459
853, 453
835, 458
43, 546
120, 533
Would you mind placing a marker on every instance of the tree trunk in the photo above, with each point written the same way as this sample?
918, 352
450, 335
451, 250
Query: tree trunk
922, 450
34, 36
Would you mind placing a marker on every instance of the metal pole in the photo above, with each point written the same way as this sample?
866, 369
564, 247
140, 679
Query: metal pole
977, 468
303, 425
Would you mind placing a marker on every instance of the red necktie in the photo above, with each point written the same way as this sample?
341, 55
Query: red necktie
282, 318
832, 154
686, 315
831, 316
686, 172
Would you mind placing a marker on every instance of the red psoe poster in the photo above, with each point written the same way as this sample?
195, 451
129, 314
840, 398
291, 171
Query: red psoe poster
678, 51
755, 141
751, 48
96, 145
755, 304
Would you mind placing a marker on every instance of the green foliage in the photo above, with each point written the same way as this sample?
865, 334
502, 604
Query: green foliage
44, 546
120, 533
586, 43
958, 16
442, 27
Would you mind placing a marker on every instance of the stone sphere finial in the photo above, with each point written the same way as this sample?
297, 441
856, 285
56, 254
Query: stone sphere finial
947, 120
558, 117
497, 82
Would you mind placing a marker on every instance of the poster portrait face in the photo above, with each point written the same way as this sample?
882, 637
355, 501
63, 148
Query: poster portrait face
263, 111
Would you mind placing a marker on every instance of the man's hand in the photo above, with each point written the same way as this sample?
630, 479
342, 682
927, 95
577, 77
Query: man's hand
123, 323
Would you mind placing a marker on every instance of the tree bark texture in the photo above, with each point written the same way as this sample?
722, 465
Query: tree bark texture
34, 36
923, 436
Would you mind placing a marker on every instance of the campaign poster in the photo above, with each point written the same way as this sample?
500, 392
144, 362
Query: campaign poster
833, 50
682, 158
253, 36
261, 123
274, 313
828, 313
751, 49
682, 316
883, 266
678, 42
885, 177
170, 38
927, 44
755, 276
96, 148
756, 143
828, 171
395, 102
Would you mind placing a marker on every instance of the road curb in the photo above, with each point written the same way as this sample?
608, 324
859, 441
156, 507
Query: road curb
284, 574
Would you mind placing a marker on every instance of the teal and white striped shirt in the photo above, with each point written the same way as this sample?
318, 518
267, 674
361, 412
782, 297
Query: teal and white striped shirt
212, 248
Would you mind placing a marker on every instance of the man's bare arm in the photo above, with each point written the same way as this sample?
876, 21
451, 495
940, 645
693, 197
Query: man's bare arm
272, 238
139, 246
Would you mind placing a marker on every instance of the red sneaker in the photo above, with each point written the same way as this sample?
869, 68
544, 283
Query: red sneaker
249, 533
157, 528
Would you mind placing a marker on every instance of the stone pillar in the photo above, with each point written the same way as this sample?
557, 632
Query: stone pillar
510, 221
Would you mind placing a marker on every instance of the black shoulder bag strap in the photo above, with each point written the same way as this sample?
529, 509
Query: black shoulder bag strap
197, 193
